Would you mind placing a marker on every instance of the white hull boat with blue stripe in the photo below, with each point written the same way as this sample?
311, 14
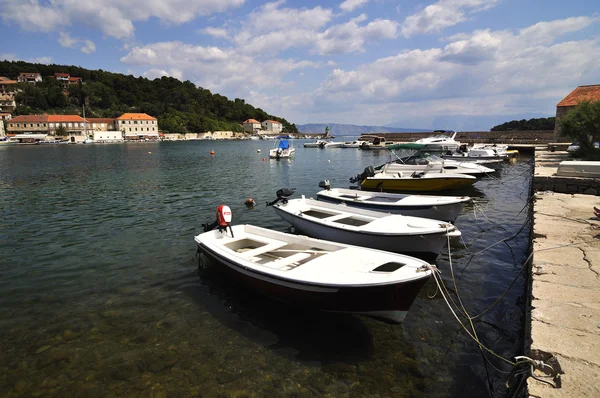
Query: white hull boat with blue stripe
446, 208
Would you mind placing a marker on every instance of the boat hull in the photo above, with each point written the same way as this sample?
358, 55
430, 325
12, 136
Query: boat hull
425, 246
448, 212
386, 302
415, 184
285, 154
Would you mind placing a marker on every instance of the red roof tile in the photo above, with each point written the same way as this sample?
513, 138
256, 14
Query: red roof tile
135, 116
253, 121
589, 93
273, 121
47, 118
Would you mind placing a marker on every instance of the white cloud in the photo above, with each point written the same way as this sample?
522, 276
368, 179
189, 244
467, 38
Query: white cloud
215, 32
66, 41
272, 29
13, 57
114, 18
350, 37
485, 72
223, 70
88, 47
442, 14
85, 46
351, 5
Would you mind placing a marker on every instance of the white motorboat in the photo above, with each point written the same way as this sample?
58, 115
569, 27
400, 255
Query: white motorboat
419, 237
317, 274
352, 144
333, 144
283, 149
433, 164
374, 143
445, 208
442, 141
316, 144
478, 153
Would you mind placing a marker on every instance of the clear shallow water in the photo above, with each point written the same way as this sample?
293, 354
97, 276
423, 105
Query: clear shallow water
100, 293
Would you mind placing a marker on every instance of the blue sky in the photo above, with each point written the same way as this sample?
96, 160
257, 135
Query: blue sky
355, 61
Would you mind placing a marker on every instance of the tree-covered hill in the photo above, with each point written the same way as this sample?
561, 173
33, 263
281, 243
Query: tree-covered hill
179, 106
544, 123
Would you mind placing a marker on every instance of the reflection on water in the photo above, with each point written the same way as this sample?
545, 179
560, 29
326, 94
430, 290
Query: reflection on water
101, 295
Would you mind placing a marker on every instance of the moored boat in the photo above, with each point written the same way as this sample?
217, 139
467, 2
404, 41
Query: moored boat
419, 182
446, 208
318, 274
283, 149
316, 144
441, 141
414, 236
435, 165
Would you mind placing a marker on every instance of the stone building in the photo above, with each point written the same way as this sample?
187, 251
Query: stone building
251, 126
137, 126
48, 124
589, 93
272, 126
29, 77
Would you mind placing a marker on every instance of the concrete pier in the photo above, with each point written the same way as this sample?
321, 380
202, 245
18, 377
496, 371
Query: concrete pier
565, 303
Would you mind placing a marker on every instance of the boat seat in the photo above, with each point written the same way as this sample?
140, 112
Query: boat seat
263, 249
286, 262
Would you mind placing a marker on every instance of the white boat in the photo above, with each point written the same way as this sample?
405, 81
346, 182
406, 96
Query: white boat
333, 144
374, 143
5, 141
432, 165
419, 237
352, 144
316, 144
445, 208
442, 141
485, 152
318, 274
283, 148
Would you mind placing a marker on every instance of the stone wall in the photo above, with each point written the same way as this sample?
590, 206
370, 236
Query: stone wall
587, 186
561, 111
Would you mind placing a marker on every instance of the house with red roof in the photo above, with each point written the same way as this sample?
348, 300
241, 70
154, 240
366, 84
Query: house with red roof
29, 77
251, 126
589, 93
272, 126
137, 126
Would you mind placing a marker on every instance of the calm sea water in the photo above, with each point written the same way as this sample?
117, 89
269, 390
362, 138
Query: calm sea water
100, 293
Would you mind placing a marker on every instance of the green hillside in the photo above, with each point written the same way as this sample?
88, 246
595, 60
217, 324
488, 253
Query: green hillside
179, 106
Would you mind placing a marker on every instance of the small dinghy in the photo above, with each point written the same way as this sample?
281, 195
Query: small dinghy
445, 208
414, 236
316, 274
418, 182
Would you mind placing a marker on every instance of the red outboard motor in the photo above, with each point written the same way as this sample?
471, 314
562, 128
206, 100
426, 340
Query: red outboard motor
222, 222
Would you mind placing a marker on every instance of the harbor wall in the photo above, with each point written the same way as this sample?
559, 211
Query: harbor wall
563, 312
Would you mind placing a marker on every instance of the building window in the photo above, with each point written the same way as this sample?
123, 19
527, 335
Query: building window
70, 124
135, 122
129, 128
136, 129
152, 128
38, 125
30, 124
147, 128
44, 124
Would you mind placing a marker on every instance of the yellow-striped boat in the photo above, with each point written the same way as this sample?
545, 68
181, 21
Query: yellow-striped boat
422, 182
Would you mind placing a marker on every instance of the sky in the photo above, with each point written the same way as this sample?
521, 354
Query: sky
366, 62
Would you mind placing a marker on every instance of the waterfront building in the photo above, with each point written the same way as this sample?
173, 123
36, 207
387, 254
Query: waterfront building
590, 93
137, 126
8, 87
74, 125
29, 77
251, 126
101, 123
272, 126
4, 116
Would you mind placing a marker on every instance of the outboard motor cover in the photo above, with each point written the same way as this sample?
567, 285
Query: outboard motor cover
325, 185
223, 215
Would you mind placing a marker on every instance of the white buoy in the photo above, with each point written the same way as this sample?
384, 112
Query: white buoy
258, 150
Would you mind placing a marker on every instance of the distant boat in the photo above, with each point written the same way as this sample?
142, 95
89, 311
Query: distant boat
316, 144
441, 141
283, 148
